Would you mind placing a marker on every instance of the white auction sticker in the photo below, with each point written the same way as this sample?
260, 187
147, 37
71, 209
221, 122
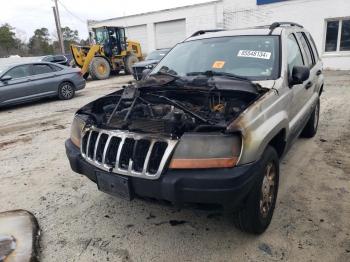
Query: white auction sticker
254, 54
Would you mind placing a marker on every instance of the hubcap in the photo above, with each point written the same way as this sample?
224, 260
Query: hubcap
268, 189
101, 69
66, 91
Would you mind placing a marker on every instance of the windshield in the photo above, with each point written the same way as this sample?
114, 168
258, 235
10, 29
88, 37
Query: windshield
252, 57
157, 55
101, 35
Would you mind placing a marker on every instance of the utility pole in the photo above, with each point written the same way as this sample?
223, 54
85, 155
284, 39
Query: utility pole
58, 26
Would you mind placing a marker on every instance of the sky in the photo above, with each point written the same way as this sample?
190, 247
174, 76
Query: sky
28, 15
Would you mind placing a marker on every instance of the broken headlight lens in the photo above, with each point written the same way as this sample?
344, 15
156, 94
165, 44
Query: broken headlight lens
76, 129
206, 151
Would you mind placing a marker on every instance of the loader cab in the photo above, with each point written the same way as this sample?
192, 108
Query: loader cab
112, 39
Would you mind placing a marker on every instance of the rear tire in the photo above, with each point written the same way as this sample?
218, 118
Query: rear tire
66, 91
130, 60
99, 68
310, 129
256, 214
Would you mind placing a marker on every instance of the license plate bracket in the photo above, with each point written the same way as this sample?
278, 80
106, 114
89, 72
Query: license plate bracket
115, 185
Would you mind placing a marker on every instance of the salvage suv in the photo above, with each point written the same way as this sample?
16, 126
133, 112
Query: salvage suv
208, 125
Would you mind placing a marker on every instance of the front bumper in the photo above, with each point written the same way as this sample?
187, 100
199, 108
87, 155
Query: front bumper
80, 84
226, 186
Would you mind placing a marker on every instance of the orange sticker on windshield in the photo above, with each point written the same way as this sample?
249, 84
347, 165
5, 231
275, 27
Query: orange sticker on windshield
218, 64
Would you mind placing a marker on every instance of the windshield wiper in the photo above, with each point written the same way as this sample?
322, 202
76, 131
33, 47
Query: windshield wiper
211, 73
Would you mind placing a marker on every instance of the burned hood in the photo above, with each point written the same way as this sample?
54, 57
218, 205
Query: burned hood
171, 109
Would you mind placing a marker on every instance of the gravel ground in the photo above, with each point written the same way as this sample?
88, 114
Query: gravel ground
79, 223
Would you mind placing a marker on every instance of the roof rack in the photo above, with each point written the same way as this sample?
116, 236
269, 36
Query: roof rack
202, 32
273, 26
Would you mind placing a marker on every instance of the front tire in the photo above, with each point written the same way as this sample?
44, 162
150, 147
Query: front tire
66, 91
256, 214
310, 129
99, 68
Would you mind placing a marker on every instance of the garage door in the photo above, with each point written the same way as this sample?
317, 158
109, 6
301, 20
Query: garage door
138, 33
170, 33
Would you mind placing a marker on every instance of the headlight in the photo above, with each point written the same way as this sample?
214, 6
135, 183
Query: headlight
76, 129
206, 151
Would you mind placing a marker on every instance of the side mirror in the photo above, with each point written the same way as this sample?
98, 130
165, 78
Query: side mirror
299, 75
145, 73
6, 78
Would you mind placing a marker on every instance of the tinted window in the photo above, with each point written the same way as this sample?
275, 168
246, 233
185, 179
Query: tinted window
59, 58
41, 69
345, 36
294, 54
309, 57
19, 71
332, 36
48, 59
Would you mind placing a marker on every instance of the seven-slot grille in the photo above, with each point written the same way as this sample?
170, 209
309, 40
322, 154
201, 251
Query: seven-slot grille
126, 153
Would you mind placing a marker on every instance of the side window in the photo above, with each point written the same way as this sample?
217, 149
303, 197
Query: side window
295, 57
56, 68
19, 71
313, 45
41, 69
309, 59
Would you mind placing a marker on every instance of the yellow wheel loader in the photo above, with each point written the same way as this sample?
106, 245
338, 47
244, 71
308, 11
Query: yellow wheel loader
110, 52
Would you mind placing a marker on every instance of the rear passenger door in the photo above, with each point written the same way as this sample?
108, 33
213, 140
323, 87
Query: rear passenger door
18, 88
45, 80
295, 58
310, 62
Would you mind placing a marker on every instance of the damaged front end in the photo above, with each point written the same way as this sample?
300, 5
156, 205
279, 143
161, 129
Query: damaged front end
142, 130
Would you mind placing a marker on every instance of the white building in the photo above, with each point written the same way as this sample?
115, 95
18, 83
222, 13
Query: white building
328, 22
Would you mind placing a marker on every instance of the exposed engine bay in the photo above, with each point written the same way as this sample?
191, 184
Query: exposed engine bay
169, 110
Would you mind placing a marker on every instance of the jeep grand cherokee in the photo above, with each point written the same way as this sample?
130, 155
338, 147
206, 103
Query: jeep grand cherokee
209, 124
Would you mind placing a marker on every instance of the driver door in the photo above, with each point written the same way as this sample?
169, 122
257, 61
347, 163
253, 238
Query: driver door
18, 88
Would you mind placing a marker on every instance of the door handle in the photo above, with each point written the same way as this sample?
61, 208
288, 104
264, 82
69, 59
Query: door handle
308, 85
319, 72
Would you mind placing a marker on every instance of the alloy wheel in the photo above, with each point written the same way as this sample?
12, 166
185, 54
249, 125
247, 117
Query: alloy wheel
268, 189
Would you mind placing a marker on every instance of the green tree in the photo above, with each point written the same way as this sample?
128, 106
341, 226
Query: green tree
69, 37
8, 40
39, 43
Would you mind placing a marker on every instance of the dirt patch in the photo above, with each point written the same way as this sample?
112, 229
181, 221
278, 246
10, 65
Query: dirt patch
13, 142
